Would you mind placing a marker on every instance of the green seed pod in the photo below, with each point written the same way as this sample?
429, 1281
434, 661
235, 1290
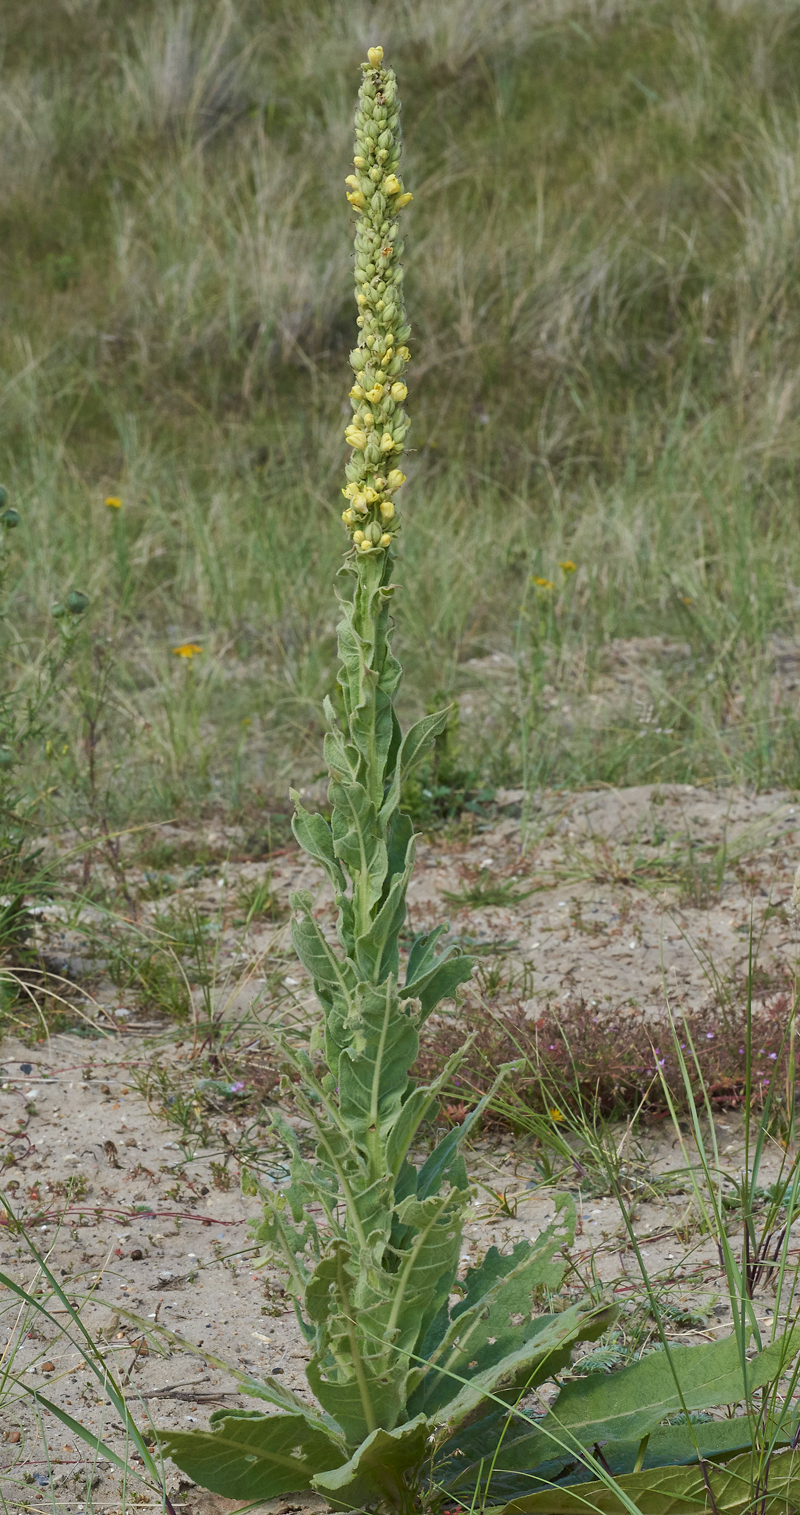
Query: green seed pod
58, 612
10, 517
76, 602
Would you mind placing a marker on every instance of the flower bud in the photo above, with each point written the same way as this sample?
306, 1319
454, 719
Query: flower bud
358, 537
375, 56
399, 393
358, 162
370, 496
357, 359
364, 546
348, 517
403, 352
357, 200
395, 479
392, 185
373, 533
387, 510
387, 442
76, 602
355, 438
386, 540
352, 181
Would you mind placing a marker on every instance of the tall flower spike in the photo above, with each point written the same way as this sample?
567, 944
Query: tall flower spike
379, 426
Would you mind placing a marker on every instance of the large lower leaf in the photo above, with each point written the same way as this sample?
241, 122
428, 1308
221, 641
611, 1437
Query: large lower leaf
747, 1483
377, 1470
630, 1404
250, 1456
478, 1458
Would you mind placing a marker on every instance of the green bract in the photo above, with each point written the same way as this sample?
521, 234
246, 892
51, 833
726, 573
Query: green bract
402, 1355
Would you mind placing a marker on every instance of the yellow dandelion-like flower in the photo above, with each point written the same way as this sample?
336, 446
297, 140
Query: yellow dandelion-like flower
187, 650
568, 566
543, 583
555, 1113
113, 502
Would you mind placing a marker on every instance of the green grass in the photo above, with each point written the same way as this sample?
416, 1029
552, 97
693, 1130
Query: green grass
604, 287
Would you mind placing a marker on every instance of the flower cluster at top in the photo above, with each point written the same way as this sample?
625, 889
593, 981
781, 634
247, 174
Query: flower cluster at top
379, 425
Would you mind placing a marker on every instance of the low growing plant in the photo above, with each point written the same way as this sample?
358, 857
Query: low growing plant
402, 1354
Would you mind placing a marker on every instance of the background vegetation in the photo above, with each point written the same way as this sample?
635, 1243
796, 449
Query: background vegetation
604, 282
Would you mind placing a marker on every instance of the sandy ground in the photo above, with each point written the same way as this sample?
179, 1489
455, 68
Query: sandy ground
134, 1216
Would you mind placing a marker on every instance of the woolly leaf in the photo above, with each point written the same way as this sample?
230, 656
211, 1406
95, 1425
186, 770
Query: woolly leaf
251, 1456
375, 1473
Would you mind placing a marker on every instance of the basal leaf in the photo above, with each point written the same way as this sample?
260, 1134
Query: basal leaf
358, 1407
250, 1456
377, 1470
632, 1403
746, 1483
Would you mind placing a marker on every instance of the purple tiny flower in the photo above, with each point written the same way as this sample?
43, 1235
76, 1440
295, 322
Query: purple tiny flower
773, 1056
237, 1088
709, 1036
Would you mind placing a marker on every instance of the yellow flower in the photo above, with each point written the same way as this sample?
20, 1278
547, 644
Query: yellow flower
374, 394
386, 442
358, 162
375, 56
187, 650
392, 185
387, 510
113, 502
357, 200
364, 546
370, 495
352, 181
403, 352
555, 1114
356, 392
544, 583
355, 438
399, 393
395, 478
386, 540
403, 200
568, 566
358, 537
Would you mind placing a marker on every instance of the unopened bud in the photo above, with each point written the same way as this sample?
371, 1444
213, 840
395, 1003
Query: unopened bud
387, 510
392, 185
399, 393
373, 533
76, 602
386, 442
352, 181
375, 56
359, 162
386, 540
358, 537
402, 200
395, 478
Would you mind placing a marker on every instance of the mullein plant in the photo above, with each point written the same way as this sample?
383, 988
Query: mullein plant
402, 1353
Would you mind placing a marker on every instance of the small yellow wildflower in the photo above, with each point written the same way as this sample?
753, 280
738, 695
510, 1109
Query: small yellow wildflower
352, 181
375, 56
374, 394
187, 650
403, 200
358, 537
386, 442
399, 393
355, 438
543, 583
555, 1113
113, 501
386, 540
357, 200
359, 162
395, 478
568, 566
387, 510
392, 185
403, 352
